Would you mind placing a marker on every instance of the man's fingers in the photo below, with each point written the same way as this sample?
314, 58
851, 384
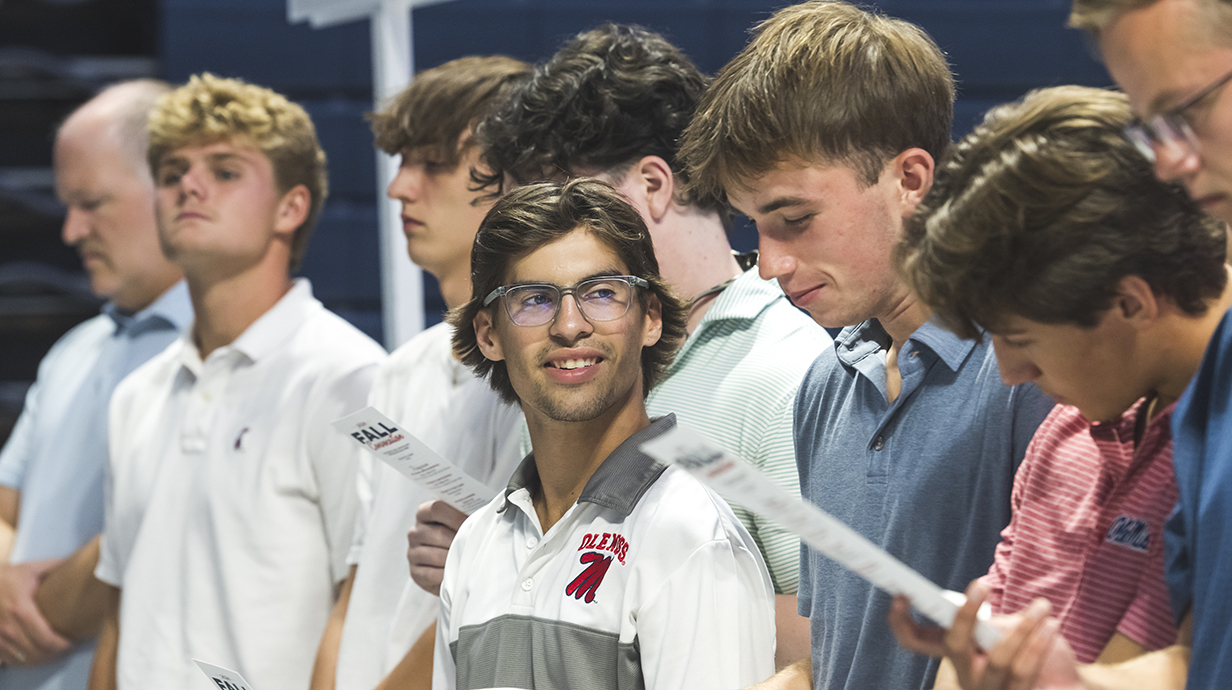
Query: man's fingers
441, 513
1002, 657
431, 535
922, 639
1026, 667
40, 568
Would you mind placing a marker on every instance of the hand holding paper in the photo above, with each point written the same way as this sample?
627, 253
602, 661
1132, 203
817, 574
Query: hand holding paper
735, 479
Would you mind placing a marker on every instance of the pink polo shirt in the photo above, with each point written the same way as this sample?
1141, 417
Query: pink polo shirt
1087, 530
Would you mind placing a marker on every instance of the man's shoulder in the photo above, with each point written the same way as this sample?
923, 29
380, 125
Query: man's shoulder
679, 504
429, 346
150, 375
85, 336
329, 341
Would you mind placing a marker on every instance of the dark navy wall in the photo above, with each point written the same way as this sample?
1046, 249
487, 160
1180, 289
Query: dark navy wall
999, 50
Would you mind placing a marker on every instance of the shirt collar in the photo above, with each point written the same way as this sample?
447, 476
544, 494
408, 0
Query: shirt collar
856, 342
621, 480
172, 308
745, 299
269, 331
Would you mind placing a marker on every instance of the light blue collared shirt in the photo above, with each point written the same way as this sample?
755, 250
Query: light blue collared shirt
57, 453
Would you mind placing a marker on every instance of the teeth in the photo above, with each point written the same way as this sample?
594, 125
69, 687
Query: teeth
575, 363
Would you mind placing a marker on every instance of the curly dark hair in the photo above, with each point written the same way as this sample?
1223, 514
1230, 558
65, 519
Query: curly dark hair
536, 215
607, 98
1043, 209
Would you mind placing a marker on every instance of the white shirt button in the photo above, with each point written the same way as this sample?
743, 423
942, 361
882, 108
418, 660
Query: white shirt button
527, 584
531, 542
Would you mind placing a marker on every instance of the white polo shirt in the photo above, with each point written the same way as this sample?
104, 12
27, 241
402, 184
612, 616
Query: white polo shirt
648, 581
439, 400
230, 500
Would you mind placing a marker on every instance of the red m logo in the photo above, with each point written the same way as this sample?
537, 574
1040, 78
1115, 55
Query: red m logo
587, 583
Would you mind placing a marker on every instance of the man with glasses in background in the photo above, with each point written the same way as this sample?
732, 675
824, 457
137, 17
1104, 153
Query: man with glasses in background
1173, 59
597, 567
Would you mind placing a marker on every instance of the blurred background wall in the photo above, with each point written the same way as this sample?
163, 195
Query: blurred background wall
54, 54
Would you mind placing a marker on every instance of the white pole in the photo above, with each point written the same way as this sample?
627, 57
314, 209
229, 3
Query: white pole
401, 281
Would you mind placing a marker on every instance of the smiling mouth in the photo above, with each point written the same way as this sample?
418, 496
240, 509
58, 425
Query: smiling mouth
570, 364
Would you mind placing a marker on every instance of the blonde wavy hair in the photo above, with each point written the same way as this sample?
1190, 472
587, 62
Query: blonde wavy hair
210, 109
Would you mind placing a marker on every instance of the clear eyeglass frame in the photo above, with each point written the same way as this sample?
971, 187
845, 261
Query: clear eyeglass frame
1170, 130
592, 307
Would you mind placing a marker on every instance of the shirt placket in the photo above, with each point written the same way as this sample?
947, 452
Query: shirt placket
539, 552
204, 401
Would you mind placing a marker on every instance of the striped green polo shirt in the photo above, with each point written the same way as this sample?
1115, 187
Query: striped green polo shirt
735, 381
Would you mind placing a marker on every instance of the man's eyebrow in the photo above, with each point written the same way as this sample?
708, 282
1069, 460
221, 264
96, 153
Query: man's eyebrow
605, 273
224, 156
781, 202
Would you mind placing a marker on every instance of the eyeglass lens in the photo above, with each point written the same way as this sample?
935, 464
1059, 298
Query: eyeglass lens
600, 299
1171, 134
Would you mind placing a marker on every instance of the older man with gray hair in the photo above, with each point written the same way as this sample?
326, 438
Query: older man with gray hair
51, 468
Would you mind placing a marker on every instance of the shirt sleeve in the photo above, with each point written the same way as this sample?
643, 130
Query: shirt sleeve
1149, 619
777, 460
1002, 562
1030, 407
15, 456
334, 462
119, 532
710, 624
444, 666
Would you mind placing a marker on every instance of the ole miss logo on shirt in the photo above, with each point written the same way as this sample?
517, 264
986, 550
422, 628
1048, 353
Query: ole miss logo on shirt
1129, 532
586, 584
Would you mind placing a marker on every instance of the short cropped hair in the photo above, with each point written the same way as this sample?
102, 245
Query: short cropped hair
821, 81
210, 109
1043, 209
535, 215
443, 103
607, 98
1093, 16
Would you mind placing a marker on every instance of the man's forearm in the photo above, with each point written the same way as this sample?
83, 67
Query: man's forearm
72, 600
10, 503
798, 676
414, 672
103, 671
1165, 669
325, 669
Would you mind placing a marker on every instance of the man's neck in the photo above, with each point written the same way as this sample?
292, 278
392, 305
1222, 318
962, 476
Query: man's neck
225, 307
695, 256
904, 316
455, 286
1185, 345
567, 454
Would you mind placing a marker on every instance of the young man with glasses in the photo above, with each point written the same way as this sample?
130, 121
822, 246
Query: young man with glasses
596, 567
1103, 285
612, 103
1173, 60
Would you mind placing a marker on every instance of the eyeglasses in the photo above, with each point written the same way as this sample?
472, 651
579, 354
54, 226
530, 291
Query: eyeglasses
1170, 130
599, 299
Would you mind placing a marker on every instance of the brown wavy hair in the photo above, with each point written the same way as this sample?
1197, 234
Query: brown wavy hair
1043, 209
821, 81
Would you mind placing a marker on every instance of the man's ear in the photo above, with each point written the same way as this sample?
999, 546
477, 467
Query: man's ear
653, 323
485, 335
292, 210
913, 170
651, 185
1135, 302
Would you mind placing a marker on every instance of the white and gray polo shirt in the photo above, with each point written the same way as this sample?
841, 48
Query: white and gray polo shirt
648, 581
